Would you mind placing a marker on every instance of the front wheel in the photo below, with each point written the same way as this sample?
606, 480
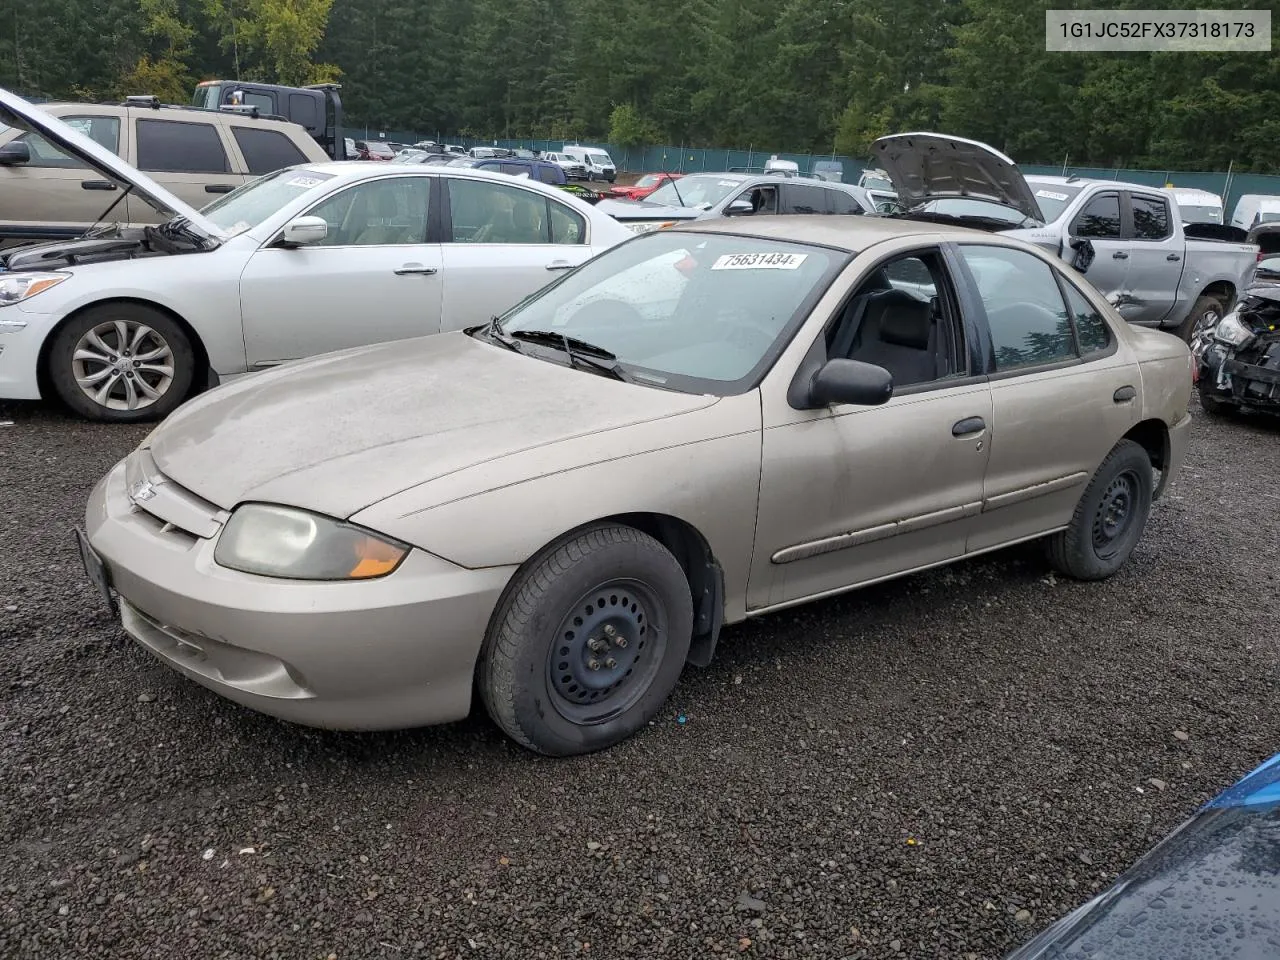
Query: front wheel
1109, 519
122, 363
588, 642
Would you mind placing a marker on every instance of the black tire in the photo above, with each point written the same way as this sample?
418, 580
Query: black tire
1095, 545
1211, 404
62, 370
1203, 312
533, 657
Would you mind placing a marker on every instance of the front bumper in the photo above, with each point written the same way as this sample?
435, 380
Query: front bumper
21, 336
390, 653
1236, 381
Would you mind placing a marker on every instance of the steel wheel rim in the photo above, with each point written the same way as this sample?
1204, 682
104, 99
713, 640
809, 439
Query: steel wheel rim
1116, 514
1202, 333
123, 365
623, 636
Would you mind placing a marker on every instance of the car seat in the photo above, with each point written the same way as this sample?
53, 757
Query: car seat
385, 211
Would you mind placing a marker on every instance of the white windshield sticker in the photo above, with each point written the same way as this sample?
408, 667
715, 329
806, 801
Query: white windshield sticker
760, 261
728, 183
1050, 195
305, 181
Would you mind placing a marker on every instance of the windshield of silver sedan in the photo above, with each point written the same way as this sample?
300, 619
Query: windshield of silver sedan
701, 191
248, 205
696, 312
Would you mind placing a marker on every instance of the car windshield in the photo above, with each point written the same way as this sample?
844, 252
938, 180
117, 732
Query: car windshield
463, 162
648, 180
876, 183
703, 190
599, 159
1053, 198
701, 313
1269, 217
1192, 213
248, 205
381, 149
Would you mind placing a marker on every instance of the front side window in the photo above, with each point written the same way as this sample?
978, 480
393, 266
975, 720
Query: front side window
485, 212
703, 313
1026, 315
104, 131
173, 146
763, 199
1150, 218
390, 211
266, 151
1100, 219
567, 226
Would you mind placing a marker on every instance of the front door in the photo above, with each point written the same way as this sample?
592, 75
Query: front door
53, 196
1155, 259
1063, 392
852, 494
1100, 223
503, 242
373, 278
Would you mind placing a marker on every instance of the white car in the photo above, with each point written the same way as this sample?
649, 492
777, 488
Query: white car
126, 325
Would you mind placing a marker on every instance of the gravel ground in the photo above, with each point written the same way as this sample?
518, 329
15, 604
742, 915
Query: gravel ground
936, 768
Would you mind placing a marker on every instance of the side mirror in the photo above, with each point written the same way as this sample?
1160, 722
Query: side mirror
738, 208
304, 231
14, 153
1084, 253
850, 381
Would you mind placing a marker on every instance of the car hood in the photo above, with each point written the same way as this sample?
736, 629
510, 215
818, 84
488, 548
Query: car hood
338, 433
644, 210
18, 113
925, 166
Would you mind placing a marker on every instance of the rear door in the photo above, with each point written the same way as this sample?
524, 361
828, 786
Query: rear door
190, 158
55, 196
503, 242
1100, 222
1155, 258
1063, 391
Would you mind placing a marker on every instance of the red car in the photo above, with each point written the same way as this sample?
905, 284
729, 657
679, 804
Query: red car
374, 150
644, 186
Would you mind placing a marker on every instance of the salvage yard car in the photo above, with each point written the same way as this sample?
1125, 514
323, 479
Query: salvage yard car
1238, 358
561, 507
702, 196
125, 326
1143, 261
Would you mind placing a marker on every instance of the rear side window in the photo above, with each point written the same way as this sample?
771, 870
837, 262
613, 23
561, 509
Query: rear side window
1090, 327
1100, 218
173, 146
515, 169
547, 173
798, 198
305, 110
1026, 315
1150, 218
266, 151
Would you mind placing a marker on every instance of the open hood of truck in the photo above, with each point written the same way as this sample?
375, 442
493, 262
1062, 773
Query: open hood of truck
18, 113
927, 166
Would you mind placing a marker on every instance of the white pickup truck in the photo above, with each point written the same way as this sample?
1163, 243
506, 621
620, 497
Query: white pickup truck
1143, 259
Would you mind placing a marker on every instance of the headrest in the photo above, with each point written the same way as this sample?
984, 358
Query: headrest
906, 323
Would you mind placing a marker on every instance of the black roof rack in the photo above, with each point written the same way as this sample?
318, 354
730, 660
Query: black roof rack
249, 110
143, 100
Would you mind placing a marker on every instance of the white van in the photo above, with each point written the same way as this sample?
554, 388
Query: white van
1255, 208
599, 164
784, 168
1197, 206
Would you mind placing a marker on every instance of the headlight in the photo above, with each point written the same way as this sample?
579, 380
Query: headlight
298, 545
650, 226
24, 286
1231, 331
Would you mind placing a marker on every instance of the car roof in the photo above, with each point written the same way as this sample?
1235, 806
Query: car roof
1087, 181
353, 171
843, 233
166, 111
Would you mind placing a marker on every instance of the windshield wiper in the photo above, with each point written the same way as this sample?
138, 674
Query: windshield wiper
580, 353
493, 330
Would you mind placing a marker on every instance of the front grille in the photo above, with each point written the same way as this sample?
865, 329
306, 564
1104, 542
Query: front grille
173, 508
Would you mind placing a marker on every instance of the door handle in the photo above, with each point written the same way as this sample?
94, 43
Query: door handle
1120, 255
218, 188
411, 268
1173, 256
97, 185
560, 265
1124, 394
968, 427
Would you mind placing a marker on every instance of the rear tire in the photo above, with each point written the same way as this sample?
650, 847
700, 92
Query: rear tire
1109, 519
588, 642
121, 363
1206, 312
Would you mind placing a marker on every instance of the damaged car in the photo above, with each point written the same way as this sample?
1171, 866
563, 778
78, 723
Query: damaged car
1238, 359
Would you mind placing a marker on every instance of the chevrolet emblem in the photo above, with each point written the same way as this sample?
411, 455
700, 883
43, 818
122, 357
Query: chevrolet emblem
142, 490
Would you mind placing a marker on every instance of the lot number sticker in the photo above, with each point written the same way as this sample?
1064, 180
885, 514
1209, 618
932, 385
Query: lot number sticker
760, 261
1050, 195
306, 181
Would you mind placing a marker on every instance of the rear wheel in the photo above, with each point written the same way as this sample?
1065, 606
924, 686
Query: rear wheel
588, 642
1109, 519
122, 363
1204, 317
